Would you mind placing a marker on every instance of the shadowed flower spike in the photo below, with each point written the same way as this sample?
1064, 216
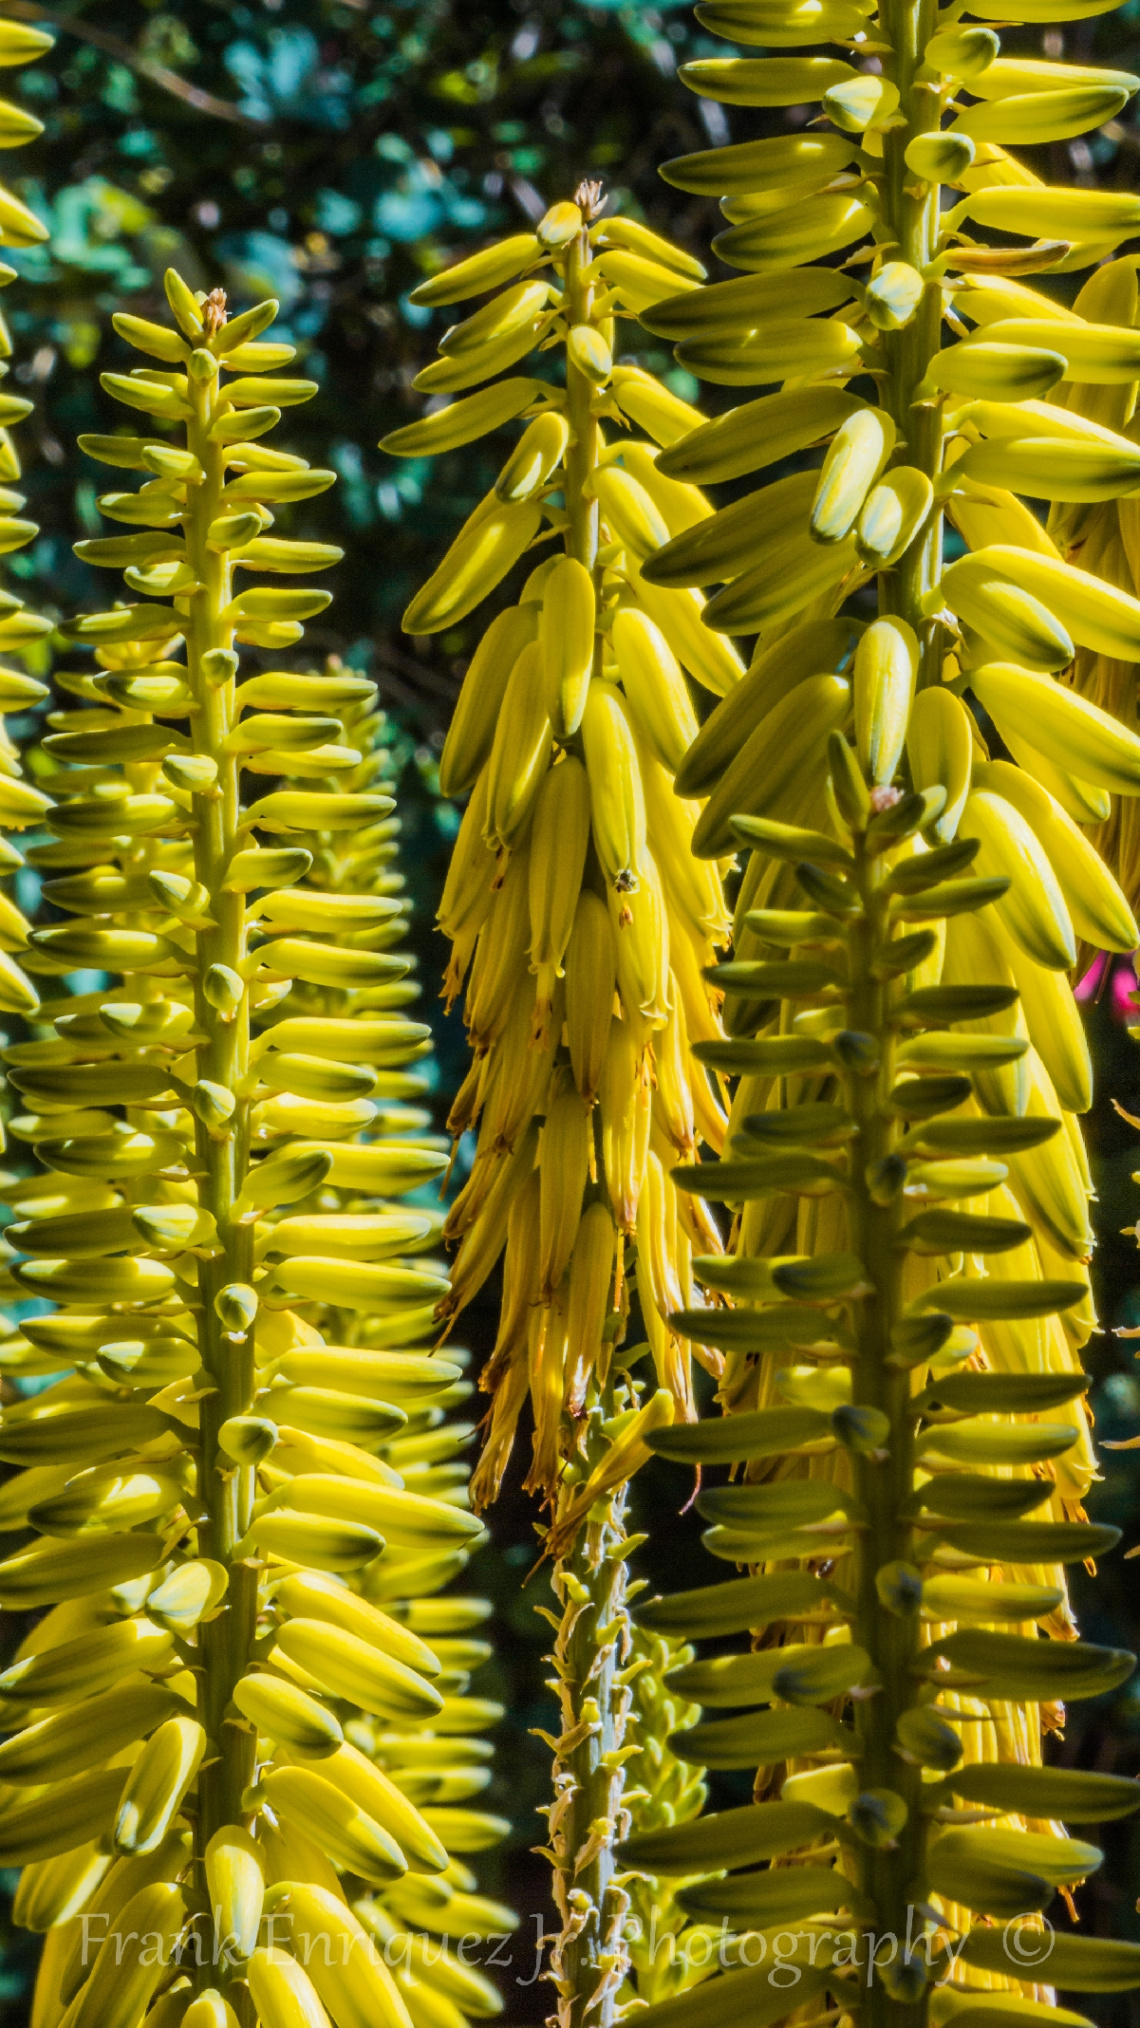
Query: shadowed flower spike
908, 767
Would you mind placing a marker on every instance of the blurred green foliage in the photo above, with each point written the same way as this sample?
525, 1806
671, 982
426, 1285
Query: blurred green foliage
329, 153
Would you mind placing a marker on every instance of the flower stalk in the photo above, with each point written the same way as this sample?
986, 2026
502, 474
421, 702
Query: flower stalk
591, 1652
578, 919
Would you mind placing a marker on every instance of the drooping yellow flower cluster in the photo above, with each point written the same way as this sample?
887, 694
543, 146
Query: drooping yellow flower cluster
579, 919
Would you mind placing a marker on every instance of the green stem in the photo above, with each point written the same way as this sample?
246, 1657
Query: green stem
889, 1879
227, 1490
588, 1963
892, 1879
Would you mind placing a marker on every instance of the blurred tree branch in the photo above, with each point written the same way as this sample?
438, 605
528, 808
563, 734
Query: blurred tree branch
146, 66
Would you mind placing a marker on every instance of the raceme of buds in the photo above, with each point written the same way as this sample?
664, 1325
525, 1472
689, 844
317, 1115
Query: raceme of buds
668, 1952
21, 802
241, 1483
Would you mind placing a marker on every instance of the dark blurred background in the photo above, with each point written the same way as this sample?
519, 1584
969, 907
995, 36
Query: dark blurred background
331, 153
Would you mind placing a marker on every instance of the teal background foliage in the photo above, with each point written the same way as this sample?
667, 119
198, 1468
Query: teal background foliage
332, 153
